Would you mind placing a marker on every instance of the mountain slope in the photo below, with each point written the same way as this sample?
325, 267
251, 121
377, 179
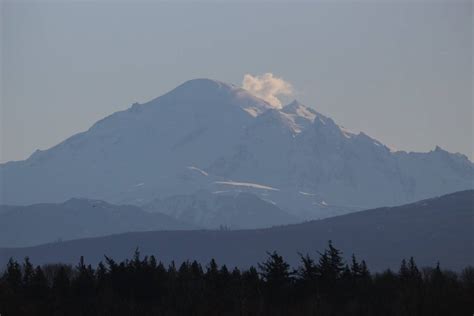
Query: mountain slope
76, 218
146, 144
438, 229
217, 210
205, 133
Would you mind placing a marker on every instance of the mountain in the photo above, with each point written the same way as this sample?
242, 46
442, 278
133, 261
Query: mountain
221, 210
208, 135
76, 218
437, 229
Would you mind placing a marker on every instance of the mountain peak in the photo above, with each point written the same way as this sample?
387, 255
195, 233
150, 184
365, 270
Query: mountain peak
212, 92
201, 87
204, 83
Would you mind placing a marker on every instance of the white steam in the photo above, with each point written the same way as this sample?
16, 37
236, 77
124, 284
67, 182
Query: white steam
267, 87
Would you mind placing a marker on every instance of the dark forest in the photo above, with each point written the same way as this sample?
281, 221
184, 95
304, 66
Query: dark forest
321, 285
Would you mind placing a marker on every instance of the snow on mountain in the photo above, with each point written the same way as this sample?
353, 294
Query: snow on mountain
300, 115
246, 184
206, 134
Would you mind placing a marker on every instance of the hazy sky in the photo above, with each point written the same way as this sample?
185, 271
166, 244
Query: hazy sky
399, 71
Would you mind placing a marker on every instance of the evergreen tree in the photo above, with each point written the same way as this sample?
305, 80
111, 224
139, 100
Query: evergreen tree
275, 270
355, 267
12, 276
28, 272
364, 271
330, 264
308, 272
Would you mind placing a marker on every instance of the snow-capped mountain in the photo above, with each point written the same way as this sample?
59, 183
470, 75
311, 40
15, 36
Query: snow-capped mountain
210, 135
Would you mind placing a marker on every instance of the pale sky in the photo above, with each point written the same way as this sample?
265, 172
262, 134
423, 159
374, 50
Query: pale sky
400, 71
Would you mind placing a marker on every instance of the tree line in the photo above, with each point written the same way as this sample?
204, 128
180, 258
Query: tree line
326, 285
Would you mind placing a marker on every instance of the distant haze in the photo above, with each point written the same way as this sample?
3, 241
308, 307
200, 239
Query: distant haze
399, 71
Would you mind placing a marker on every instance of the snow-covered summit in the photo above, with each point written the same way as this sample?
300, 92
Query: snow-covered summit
205, 92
